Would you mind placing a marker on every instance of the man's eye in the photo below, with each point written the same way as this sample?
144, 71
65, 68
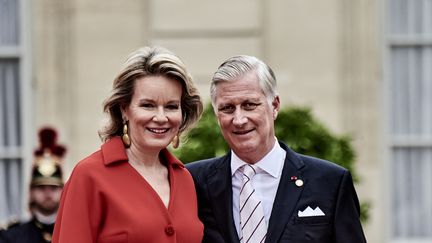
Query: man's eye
250, 106
227, 109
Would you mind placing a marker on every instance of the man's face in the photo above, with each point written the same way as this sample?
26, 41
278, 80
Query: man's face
46, 198
245, 117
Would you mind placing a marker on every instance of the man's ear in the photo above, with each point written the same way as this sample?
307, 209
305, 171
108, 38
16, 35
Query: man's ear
276, 106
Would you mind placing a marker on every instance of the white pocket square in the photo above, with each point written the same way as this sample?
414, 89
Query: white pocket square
309, 212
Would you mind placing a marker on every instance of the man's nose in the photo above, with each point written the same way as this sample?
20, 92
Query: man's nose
239, 118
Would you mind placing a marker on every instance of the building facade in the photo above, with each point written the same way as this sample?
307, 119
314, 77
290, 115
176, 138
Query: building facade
364, 67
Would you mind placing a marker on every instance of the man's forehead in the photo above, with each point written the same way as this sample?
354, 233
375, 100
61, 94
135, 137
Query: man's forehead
238, 99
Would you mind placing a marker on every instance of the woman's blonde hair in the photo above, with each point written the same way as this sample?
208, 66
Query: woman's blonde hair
150, 61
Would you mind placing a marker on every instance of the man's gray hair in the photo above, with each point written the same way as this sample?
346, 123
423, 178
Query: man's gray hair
237, 66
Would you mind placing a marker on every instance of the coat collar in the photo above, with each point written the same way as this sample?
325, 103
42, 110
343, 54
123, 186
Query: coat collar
287, 195
113, 151
220, 191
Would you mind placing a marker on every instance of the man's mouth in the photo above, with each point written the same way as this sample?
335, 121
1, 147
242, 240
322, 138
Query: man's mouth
242, 132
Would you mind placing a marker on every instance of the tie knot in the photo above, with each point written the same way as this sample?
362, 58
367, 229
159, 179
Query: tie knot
248, 170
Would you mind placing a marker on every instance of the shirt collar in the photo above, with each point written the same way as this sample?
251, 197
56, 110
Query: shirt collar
271, 163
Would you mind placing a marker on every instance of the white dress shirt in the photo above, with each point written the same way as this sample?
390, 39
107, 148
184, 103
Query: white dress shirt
265, 182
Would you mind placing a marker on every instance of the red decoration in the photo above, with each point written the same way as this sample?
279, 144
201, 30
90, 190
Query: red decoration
48, 141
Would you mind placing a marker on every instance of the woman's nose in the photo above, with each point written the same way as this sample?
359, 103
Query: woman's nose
160, 116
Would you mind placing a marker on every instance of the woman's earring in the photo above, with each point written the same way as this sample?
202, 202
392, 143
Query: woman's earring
175, 142
125, 138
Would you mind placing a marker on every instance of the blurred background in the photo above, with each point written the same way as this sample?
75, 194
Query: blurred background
363, 68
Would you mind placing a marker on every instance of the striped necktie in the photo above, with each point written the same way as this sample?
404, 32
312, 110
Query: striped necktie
252, 222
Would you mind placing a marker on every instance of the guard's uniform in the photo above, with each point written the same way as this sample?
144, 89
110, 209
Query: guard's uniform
46, 171
30, 232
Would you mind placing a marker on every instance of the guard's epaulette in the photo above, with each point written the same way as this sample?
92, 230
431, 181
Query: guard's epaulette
12, 224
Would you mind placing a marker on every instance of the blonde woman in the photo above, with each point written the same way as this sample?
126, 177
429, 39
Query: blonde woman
133, 189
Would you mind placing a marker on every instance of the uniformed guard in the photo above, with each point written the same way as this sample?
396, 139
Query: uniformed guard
45, 190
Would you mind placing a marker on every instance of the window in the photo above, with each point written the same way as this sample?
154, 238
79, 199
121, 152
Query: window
14, 83
409, 75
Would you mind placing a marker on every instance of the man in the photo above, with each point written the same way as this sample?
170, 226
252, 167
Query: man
262, 191
45, 190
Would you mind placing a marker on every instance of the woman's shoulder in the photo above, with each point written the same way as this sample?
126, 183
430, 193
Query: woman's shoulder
90, 163
87, 172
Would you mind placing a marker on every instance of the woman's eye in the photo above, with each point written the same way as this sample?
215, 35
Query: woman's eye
172, 107
147, 105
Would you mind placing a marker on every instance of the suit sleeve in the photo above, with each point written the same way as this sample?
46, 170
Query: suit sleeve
347, 214
79, 213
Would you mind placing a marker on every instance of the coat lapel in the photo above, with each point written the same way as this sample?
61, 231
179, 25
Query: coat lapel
220, 191
287, 196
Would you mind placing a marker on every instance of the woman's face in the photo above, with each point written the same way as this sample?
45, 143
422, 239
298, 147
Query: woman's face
154, 113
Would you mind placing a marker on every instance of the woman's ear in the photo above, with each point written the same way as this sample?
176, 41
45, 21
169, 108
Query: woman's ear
123, 112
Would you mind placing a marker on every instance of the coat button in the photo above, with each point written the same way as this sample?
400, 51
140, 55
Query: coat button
169, 230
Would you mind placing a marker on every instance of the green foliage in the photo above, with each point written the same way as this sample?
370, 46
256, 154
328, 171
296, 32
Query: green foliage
304, 134
295, 126
204, 141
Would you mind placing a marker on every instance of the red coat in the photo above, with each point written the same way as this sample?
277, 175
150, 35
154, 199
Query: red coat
107, 200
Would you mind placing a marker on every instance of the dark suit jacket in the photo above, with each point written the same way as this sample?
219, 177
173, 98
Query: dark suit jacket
30, 232
326, 185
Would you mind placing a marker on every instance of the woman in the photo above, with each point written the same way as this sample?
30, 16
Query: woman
133, 189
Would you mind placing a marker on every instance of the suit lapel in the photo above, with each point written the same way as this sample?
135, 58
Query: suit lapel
220, 191
287, 196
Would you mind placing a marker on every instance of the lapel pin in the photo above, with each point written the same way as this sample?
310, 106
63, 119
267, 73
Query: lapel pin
298, 182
